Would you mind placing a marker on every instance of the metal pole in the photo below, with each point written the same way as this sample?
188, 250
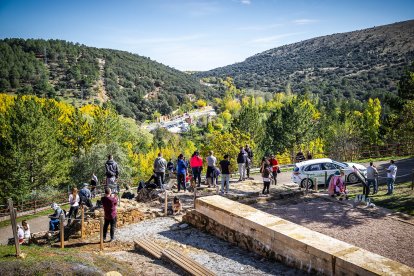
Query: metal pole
326, 179
165, 203
62, 231
82, 222
101, 223
14, 227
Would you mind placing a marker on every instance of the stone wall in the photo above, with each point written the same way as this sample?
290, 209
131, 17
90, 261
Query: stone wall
292, 244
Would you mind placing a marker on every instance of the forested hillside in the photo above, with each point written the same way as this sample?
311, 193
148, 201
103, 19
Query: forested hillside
361, 64
135, 85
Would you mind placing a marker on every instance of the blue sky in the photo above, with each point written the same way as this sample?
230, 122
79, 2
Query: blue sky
194, 34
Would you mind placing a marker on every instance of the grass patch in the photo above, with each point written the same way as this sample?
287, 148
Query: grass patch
46, 260
402, 200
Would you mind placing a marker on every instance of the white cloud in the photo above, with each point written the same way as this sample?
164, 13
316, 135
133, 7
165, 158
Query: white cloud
304, 21
155, 40
245, 2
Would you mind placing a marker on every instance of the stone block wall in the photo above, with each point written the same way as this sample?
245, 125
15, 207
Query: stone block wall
287, 242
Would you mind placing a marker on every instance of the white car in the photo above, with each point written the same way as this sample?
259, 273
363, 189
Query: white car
305, 172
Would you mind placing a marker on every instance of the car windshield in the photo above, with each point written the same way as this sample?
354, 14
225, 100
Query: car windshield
341, 164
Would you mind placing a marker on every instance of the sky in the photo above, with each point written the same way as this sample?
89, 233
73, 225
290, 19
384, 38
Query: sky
194, 34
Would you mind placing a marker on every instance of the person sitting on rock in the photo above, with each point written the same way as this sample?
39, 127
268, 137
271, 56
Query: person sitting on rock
128, 194
177, 206
85, 196
54, 218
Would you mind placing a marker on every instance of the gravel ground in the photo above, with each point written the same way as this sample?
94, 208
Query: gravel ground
375, 232
219, 256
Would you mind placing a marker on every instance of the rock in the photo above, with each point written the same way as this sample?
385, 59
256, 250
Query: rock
183, 226
113, 273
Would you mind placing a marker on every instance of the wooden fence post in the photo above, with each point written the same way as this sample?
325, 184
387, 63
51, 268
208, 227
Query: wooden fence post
82, 221
101, 223
165, 203
315, 184
14, 227
62, 231
195, 194
326, 179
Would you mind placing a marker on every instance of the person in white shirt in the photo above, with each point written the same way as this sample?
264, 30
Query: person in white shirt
391, 175
74, 204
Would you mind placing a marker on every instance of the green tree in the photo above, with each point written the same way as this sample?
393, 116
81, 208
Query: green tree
31, 154
406, 85
371, 121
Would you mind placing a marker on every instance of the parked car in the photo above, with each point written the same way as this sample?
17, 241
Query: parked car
305, 172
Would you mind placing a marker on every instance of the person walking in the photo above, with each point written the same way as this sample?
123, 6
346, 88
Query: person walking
275, 167
225, 173
249, 160
181, 172
196, 164
267, 175
74, 204
391, 175
109, 203
372, 174
241, 163
211, 165
112, 173
160, 165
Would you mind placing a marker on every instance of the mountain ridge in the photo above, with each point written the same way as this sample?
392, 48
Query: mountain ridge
363, 62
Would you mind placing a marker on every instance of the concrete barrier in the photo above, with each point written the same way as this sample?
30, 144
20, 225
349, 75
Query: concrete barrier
288, 242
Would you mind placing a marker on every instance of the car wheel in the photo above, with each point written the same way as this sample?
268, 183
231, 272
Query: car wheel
306, 183
352, 178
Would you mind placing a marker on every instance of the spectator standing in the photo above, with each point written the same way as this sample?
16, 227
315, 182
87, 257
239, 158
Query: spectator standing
241, 163
372, 174
196, 164
109, 203
309, 156
112, 173
94, 183
160, 165
211, 165
275, 167
74, 204
85, 196
181, 172
225, 173
391, 175
170, 168
267, 175
249, 160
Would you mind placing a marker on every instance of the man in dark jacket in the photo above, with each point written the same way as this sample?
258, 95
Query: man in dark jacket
249, 160
241, 162
111, 171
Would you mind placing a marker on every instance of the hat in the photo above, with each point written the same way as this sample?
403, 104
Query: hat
54, 206
337, 173
85, 185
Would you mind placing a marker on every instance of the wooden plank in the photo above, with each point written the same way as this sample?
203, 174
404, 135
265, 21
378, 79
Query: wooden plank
181, 263
150, 247
205, 270
186, 263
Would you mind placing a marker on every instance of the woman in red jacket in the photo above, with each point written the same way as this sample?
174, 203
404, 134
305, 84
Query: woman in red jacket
196, 164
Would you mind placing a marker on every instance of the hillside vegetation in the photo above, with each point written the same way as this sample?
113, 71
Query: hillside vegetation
361, 64
135, 85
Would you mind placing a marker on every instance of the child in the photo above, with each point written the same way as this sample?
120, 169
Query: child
267, 175
176, 207
26, 229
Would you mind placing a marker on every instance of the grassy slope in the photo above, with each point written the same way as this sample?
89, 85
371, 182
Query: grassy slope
54, 261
